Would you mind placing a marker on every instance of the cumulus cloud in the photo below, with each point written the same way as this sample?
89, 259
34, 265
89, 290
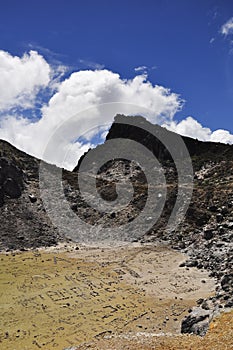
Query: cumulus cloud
192, 128
22, 78
223, 136
227, 28
82, 106
85, 89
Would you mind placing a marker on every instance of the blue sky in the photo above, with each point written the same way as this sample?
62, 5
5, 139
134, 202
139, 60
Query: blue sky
181, 44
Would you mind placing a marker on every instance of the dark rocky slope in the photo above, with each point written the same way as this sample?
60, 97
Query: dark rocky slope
24, 223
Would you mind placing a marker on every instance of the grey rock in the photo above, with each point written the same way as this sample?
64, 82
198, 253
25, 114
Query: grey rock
208, 234
32, 198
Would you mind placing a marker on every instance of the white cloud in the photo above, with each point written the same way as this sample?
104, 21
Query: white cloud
22, 78
75, 96
227, 28
221, 136
192, 128
144, 69
140, 69
85, 89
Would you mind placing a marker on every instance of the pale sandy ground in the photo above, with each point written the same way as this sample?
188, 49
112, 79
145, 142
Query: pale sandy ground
154, 270
65, 296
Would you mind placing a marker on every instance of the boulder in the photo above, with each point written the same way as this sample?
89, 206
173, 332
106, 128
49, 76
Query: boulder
32, 198
197, 322
208, 234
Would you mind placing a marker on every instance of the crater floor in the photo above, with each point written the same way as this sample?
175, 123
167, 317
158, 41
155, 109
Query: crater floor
115, 296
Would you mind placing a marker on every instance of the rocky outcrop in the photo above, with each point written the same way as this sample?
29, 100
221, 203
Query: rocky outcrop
11, 180
201, 152
197, 322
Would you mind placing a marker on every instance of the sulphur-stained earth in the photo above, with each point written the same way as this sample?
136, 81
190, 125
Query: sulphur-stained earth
79, 296
219, 337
